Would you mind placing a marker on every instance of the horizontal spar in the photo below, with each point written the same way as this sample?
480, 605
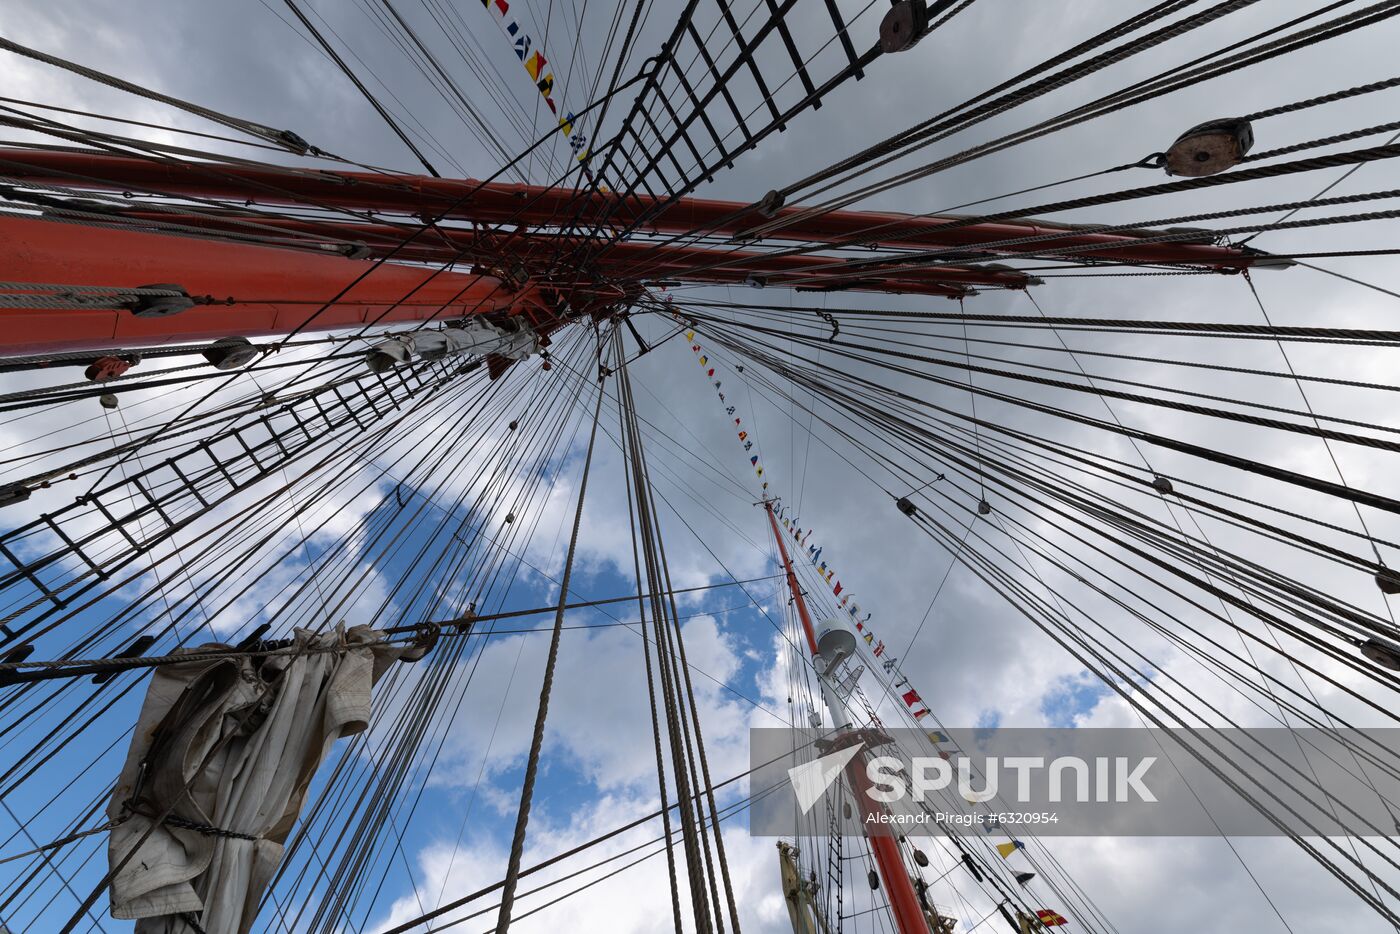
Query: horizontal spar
536, 206
239, 290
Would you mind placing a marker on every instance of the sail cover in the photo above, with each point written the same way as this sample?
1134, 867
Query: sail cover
224, 752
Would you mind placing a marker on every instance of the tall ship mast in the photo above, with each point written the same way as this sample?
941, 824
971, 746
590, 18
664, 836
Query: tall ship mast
439, 436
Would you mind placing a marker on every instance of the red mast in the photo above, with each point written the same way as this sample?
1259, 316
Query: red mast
899, 889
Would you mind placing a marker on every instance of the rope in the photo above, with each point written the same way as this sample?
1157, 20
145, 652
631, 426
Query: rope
151, 661
90, 665
64, 841
527, 790
75, 297
1324, 141
1324, 99
284, 138
102, 289
374, 102
627, 425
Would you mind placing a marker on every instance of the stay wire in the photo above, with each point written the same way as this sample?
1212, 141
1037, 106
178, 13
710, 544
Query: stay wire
537, 738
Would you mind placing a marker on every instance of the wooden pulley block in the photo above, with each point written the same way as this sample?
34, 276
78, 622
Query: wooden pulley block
159, 306
1210, 148
770, 204
903, 26
1388, 580
230, 353
1383, 652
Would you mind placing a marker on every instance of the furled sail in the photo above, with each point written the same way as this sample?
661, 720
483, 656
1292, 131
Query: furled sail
218, 771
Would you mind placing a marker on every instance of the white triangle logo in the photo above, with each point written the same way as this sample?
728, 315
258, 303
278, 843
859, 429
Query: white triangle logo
810, 780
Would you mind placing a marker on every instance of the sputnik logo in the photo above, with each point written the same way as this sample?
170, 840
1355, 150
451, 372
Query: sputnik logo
810, 780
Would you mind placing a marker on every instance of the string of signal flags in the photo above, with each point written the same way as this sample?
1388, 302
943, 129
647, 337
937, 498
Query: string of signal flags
813, 551
532, 57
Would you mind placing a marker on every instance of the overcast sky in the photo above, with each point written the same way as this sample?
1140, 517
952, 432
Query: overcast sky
975, 661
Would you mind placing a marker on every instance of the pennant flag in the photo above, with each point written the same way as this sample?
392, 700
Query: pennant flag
920, 714
910, 697
836, 591
869, 638
711, 372
879, 649
936, 737
690, 335
704, 359
1024, 877
522, 40
743, 435
1051, 919
754, 460
1006, 849
535, 64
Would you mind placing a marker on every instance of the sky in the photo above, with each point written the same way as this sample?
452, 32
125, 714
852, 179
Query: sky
975, 660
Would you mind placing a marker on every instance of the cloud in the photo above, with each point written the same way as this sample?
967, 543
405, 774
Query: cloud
974, 659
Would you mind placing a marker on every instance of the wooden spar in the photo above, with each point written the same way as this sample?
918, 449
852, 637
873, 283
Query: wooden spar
244, 290
536, 206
